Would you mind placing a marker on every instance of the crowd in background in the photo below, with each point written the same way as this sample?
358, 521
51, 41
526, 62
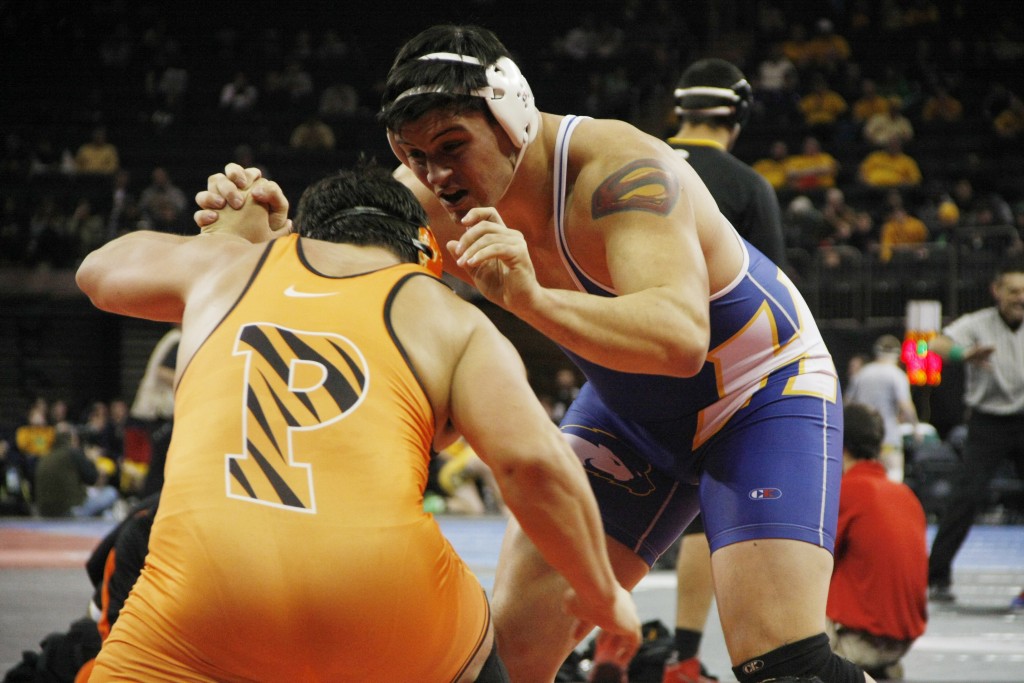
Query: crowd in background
870, 117
887, 127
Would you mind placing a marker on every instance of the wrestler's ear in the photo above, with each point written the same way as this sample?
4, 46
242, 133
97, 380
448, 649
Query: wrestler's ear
430, 253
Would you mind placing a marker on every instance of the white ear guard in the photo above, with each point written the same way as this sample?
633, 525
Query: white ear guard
511, 101
508, 96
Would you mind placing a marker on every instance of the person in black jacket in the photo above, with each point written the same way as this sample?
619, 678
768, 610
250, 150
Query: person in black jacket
713, 104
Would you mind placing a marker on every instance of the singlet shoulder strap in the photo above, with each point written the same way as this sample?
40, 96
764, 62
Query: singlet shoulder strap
580, 278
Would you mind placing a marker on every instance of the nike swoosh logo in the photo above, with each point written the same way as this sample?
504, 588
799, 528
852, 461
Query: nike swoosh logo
291, 291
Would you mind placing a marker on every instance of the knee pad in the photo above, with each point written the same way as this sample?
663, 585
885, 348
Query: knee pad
806, 661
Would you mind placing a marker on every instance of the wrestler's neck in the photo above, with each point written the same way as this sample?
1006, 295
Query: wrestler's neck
529, 193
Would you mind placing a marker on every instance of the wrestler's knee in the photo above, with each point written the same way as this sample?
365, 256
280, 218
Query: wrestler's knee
808, 660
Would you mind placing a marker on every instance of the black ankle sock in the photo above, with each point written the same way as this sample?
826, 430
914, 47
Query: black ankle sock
687, 643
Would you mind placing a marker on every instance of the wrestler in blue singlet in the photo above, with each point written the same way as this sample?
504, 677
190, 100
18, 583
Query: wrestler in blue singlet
754, 440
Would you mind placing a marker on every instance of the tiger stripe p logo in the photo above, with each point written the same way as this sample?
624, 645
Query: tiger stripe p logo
294, 380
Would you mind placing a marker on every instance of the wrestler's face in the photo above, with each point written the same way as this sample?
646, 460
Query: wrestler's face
466, 159
1008, 291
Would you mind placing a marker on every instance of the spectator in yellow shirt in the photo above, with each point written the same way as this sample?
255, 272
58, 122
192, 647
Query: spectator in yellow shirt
773, 167
890, 167
901, 230
827, 49
942, 108
869, 103
811, 169
1009, 123
98, 155
822, 107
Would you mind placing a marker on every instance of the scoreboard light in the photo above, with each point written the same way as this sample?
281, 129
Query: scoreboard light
924, 366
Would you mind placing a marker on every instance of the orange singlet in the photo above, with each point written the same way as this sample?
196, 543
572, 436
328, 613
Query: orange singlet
291, 542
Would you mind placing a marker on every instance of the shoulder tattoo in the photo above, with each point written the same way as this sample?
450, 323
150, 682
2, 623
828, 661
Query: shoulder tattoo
641, 185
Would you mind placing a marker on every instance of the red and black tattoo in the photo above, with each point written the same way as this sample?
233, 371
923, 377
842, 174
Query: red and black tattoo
641, 185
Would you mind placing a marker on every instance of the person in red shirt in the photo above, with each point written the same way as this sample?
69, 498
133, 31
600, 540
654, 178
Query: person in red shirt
878, 597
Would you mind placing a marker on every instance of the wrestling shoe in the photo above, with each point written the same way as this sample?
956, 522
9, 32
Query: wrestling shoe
687, 671
940, 592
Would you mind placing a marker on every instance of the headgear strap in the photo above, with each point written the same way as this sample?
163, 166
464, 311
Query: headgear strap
425, 242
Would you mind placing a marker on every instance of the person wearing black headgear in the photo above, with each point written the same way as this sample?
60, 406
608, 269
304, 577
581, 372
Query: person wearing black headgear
713, 104
878, 597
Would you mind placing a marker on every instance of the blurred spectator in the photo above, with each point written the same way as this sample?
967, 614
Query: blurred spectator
895, 84
980, 208
166, 85
889, 167
290, 87
98, 430
34, 439
73, 481
338, 101
467, 483
50, 240
1009, 123
87, 229
883, 385
869, 103
775, 76
942, 216
828, 51
331, 50
804, 225
899, 231
581, 40
312, 135
98, 155
13, 488
239, 96
812, 168
822, 107
117, 47
941, 109
995, 101
796, 47
58, 413
773, 167
162, 203
840, 217
46, 158
124, 211
865, 233
886, 126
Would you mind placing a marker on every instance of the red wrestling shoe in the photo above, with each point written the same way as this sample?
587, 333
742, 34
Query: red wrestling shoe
687, 671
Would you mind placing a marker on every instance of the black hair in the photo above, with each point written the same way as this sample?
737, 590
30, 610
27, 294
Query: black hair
364, 206
863, 431
454, 80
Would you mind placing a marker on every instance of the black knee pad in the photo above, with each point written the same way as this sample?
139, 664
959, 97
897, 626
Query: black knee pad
806, 661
